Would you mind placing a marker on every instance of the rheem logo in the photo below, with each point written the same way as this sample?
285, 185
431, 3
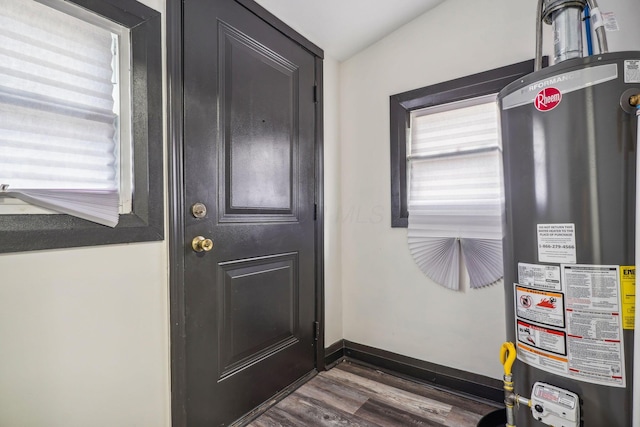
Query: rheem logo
547, 99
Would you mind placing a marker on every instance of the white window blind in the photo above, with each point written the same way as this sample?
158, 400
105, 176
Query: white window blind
58, 128
456, 192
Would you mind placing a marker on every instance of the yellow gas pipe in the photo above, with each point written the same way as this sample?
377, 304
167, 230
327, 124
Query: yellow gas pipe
507, 358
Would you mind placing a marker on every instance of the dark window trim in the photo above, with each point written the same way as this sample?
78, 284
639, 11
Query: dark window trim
401, 105
146, 222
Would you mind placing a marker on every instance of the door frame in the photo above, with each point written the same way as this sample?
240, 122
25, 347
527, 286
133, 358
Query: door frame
177, 208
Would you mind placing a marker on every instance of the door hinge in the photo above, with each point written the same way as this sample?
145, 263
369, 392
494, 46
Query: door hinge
315, 93
315, 211
316, 330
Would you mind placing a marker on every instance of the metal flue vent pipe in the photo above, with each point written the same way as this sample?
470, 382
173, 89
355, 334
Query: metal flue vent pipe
565, 16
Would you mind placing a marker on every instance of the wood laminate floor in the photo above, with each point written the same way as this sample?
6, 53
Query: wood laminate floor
354, 395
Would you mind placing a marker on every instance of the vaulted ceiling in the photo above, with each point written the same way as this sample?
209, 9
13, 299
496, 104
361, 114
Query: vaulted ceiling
344, 27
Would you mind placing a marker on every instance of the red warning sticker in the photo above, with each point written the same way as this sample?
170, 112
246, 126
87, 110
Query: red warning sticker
540, 306
547, 99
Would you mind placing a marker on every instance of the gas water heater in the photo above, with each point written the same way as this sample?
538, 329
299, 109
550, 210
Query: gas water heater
569, 136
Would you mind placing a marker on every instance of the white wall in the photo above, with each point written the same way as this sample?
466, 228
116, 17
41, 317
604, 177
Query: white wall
332, 197
84, 335
388, 303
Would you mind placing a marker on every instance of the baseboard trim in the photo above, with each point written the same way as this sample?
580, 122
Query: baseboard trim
333, 354
440, 376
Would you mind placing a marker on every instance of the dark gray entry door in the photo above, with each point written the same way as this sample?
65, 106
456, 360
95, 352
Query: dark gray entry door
249, 126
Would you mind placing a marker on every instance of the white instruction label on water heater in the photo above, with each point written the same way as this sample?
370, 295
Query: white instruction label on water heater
577, 331
594, 325
632, 71
557, 243
538, 276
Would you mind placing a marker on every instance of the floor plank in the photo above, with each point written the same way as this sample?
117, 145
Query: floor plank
410, 402
390, 416
311, 412
333, 394
460, 417
453, 399
352, 395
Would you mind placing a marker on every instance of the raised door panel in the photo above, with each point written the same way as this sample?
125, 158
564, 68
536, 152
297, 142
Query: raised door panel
259, 117
258, 306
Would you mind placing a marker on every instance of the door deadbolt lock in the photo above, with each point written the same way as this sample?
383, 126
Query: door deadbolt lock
199, 210
200, 244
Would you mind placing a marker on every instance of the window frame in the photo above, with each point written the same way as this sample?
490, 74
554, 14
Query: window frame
145, 222
402, 104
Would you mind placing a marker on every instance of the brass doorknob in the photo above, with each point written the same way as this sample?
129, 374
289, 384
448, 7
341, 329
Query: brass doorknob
200, 244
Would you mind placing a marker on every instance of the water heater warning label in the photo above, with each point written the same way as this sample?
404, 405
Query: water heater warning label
577, 332
539, 306
538, 276
557, 243
594, 327
542, 338
628, 287
632, 71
